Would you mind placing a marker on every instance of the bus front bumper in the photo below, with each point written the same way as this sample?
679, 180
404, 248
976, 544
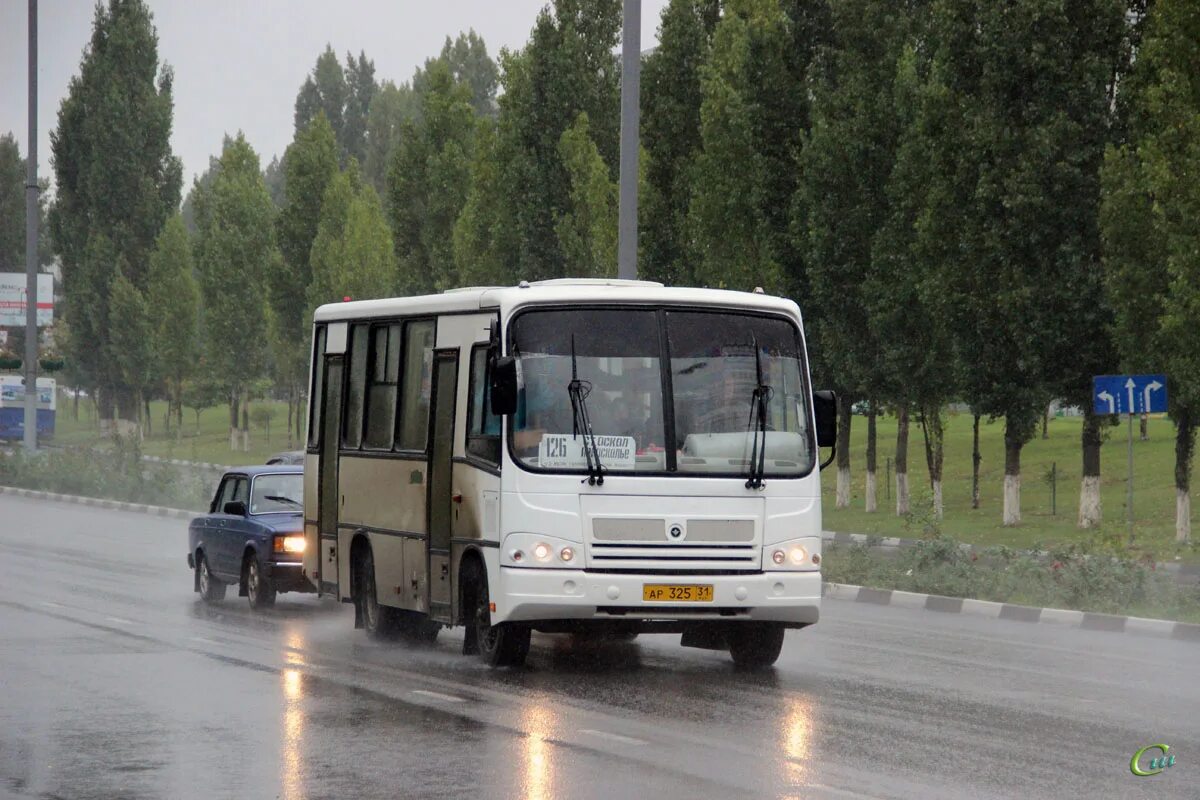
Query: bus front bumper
543, 595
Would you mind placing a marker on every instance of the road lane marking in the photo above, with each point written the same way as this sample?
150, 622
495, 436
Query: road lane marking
615, 737
202, 639
120, 620
52, 605
844, 792
448, 698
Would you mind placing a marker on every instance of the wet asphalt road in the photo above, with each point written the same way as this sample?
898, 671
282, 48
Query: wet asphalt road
115, 682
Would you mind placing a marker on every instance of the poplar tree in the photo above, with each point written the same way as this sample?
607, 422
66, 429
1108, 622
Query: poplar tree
173, 304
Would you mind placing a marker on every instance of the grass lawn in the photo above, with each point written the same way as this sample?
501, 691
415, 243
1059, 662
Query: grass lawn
1154, 487
207, 441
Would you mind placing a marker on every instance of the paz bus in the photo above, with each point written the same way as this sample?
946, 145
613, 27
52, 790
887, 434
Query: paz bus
588, 456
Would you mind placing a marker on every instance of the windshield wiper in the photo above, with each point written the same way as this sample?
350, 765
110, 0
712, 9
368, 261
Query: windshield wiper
579, 391
758, 421
275, 498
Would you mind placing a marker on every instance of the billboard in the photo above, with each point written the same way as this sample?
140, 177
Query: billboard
12, 299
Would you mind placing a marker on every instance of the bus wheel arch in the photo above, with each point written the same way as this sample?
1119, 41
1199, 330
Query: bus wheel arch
360, 545
504, 644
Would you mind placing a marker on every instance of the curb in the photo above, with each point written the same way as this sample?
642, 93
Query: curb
179, 462
96, 502
1180, 571
1085, 620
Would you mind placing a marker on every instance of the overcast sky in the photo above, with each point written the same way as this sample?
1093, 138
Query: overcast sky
239, 63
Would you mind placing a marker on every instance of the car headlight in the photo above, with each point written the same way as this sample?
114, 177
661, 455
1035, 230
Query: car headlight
536, 550
292, 543
797, 554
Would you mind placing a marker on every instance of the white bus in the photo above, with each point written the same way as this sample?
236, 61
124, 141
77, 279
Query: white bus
568, 456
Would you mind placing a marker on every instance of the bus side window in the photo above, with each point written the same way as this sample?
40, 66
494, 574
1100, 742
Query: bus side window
317, 395
483, 427
352, 425
381, 386
416, 385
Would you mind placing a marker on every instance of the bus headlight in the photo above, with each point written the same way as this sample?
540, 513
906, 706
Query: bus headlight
798, 554
535, 550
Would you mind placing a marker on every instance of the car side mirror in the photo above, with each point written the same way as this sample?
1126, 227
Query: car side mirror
504, 385
235, 508
825, 410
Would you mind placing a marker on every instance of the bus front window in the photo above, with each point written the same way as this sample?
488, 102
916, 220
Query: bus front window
716, 359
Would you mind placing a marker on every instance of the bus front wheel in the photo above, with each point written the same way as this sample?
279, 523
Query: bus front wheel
755, 645
501, 645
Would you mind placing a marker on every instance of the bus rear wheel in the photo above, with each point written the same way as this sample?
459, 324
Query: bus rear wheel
379, 621
501, 645
755, 645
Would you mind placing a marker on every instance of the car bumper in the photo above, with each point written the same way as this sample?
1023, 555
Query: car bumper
533, 595
288, 576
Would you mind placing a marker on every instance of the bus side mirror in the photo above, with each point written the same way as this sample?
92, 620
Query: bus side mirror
825, 409
504, 385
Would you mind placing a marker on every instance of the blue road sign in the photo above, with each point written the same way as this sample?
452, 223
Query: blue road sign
1129, 394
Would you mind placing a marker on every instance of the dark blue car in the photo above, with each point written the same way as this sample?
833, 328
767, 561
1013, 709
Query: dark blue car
252, 536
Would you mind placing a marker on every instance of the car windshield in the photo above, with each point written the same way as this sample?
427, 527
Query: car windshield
272, 494
715, 361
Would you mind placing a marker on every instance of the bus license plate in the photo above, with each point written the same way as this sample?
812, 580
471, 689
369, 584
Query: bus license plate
675, 593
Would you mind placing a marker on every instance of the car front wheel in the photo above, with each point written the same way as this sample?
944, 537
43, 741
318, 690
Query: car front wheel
259, 590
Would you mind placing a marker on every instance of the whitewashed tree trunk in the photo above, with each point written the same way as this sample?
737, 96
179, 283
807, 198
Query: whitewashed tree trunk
1183, 516
871, 501
901, 494
938, 507
843, 487
1090, 515
1012, 499
233, 437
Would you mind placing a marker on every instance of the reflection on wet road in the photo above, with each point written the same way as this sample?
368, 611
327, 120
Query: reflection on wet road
116, 683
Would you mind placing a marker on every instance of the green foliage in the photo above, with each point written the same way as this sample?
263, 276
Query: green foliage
566, 68
753, 111
12, 210
429, 180
1082, 576
116, 182
115, 471
130, 334
352, 253
173, 310
310, 164
486, 230
391, 107
671, 97
467, 58
234, 251
344, 96
587, 232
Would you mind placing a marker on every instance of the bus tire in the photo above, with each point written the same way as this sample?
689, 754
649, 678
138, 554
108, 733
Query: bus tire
755, 645
211, 590
379, 621
501, 645
259, 590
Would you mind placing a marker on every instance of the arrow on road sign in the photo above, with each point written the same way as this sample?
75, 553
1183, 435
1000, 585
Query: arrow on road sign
1129, 384
1150, 387
1112, 401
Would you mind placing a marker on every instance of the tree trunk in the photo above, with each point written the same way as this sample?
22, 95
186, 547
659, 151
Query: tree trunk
975, 461
1185, 448
1046, 422
844, 404
234, 396
245, 423
871, 494
149, 419
1013, 442
902, 461
1143, 426
934, 430
291, 407
1090, 514
75, 403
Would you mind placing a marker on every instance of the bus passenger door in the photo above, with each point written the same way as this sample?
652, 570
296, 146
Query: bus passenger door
327, 477
441, 452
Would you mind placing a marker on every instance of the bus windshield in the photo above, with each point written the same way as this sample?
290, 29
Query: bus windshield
704, 424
